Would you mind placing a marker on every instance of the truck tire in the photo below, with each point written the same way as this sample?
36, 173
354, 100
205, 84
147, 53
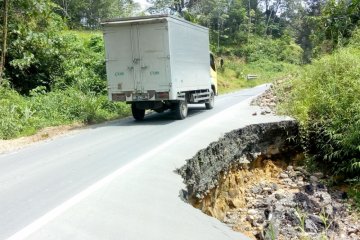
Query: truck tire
210, 103
181, 110
137, 113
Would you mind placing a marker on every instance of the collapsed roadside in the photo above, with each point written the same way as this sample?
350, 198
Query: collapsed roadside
256, 181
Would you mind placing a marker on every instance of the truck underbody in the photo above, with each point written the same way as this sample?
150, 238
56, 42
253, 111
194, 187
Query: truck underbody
179, 106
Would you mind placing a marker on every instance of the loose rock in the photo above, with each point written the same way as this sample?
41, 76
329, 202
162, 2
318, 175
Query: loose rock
264, 196
293, 211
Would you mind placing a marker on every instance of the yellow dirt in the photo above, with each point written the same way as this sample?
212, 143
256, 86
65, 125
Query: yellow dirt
230, 192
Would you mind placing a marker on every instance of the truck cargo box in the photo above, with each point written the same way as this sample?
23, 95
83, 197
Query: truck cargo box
157, 59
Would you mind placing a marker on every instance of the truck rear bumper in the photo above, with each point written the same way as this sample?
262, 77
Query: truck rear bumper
150, 95
194, 96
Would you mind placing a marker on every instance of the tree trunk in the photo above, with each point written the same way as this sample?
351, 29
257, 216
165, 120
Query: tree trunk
249, 27
4, 38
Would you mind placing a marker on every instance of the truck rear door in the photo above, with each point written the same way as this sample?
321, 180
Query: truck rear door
137, 57
154, 56
119, 58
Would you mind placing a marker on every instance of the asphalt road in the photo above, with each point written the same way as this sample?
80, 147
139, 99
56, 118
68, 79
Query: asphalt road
47, 184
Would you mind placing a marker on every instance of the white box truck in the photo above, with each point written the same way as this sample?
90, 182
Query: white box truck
158, 62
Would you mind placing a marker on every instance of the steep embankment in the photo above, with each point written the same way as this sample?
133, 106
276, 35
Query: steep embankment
251, 180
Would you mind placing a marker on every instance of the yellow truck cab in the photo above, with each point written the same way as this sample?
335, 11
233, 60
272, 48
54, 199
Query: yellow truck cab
213, 74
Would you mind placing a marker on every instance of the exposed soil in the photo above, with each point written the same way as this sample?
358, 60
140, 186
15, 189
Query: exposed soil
278, 202
238, 147
44, 134
268, 198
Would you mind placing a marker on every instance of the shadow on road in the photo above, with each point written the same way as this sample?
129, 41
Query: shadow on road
152, 119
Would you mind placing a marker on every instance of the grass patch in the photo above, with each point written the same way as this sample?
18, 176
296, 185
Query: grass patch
233, 75
22, 116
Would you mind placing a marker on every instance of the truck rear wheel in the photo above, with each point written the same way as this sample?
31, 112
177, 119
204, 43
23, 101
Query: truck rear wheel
137, 113
210, 103
181, 110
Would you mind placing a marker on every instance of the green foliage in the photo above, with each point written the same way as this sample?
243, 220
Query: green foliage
259, 48
13, 113
32, 54
271, 232
233, 75
57, 61
325, 98
355, 40
335, 25
354, 194
88, 14
301, 216
81, 62
317, 26
42, 53
25, 115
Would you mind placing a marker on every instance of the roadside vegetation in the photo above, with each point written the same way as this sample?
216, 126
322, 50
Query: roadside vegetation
325, 98
55, 80
234, 75
21, 116
265, 58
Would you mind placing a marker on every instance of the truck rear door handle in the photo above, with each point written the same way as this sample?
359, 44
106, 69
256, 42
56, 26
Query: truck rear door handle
144, 67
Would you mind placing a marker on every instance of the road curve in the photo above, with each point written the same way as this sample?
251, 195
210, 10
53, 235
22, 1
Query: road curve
116, 180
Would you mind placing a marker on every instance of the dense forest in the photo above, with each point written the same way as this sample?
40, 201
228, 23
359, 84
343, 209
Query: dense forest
52, 66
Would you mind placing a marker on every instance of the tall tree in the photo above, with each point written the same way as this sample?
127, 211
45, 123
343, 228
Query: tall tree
4, 38
32, 47
338, 20
88, 14
170, 6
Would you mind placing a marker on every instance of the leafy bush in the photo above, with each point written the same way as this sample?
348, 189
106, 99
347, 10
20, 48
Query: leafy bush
354, 193
52, 57
32, 54
325, 98
13, 113
258, 48
82, 62
355, 40
25, 115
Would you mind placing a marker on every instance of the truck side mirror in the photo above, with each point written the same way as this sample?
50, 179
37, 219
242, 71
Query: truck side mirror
221, 63
212, 62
